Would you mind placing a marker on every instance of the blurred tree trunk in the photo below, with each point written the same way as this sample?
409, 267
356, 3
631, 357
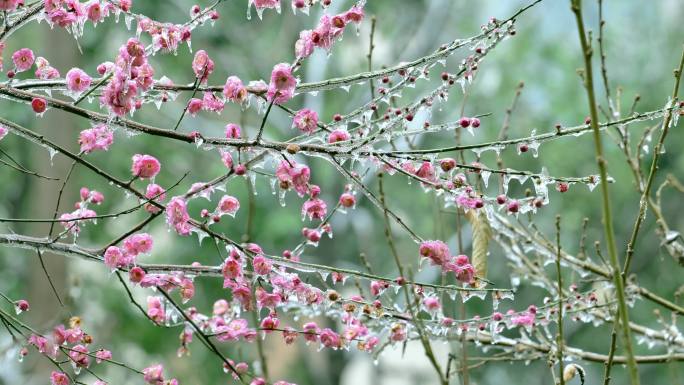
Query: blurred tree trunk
40, 196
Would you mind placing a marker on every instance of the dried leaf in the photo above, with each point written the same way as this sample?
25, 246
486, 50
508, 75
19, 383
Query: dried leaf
482, 232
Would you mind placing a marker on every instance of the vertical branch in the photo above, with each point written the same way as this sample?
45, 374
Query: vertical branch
419, 324
602, 54
59, 197
255, 314
371, 46
263, 121
611, 354
47, 274
561, 340
576, 6
654, 167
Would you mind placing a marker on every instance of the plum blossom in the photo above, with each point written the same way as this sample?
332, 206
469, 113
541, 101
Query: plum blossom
282, 85
330, 339
59, 378
99, 137
114, 258
338, 135
228, 205
177, 215
43, 69
154, 375
102, 355
436, 251
293, 175
155, 309
145, 166
234, 90
233, 131
10, 5
131, 74
306, 120
138, 244
202, 65
23, 60
77, 80
79, 356
314, 208
154, 191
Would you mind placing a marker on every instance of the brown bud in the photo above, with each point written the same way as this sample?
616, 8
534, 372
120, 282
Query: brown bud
292, 148
333, 295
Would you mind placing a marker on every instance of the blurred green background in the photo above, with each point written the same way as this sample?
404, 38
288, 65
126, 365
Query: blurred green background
643, 45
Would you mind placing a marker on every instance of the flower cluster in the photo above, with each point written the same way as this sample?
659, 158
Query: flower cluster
328, 30
437, 252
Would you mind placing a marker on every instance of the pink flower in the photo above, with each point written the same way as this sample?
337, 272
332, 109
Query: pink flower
227, 159
264, 4
77, 80
229, 205
187, 290
23, 60
304, 46
269, 323
79, 356
324, 34
306, 120
354, 14
154, 375
262, 265
369, 344
234, 90
525, 319
194, 106
293, 175
232, 269
39, 105
100, 137
236, 329
154, 191
314, 209
347, 200
102, 355
59, 378
311, 331
436, 251
10, 5
378, 287
431, 304
115, 258
44, 71
398, 332
329, 338
426, 171
211, 102
94, 12
232, 131
202, 65
338, 135
40, 342
3, 132
136, 274
138, 244
266, 299
131, 73
155, 310
282, 85
177, 215
21, 305
145, 166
